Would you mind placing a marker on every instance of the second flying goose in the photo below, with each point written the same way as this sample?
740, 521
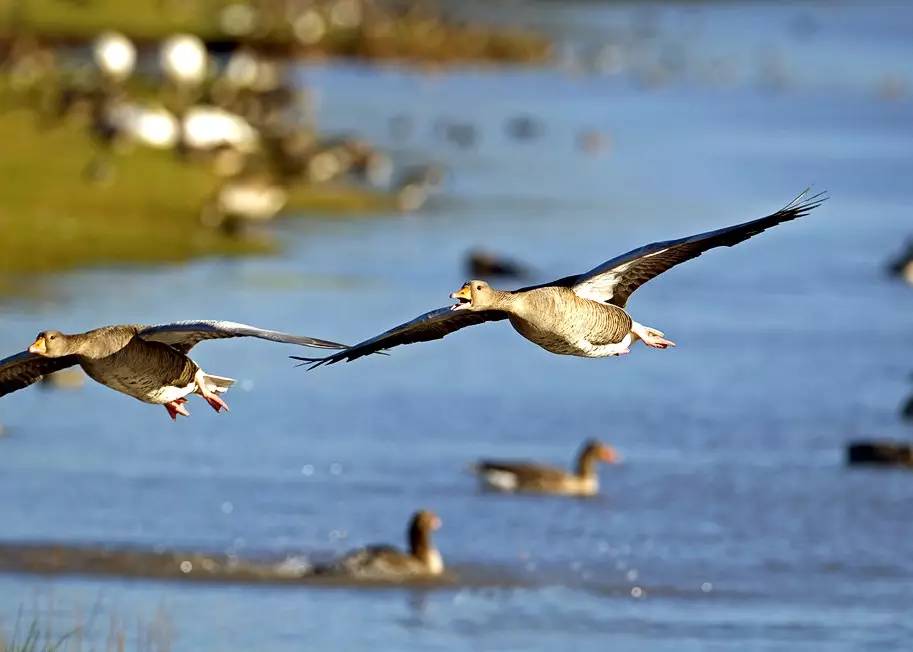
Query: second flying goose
149, 363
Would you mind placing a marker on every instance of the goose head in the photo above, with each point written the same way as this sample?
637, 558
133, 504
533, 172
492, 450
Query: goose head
599, 452
422, 524
50, 344
474, 295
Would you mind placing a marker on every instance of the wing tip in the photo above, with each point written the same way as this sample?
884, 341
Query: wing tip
805, 202
313, 363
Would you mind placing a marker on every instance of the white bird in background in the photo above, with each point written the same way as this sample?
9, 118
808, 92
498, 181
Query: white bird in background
184, 59
152, 126
207, 127
115, 55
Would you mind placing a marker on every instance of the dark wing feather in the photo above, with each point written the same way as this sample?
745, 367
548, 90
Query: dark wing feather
615, 280
23, 369
525, 472
431, 326
184, 335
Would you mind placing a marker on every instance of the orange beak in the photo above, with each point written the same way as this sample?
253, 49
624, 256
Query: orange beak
609, 455
462, 293
40, 346
436, 523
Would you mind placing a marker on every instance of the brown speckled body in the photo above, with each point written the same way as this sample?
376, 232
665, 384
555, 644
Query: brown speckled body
559, 321
528, 477
117, 358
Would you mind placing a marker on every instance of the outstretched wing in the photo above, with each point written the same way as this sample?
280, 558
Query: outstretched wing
184, 335
615, 280
23, 369
431, 326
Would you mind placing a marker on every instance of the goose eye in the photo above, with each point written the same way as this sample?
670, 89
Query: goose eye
52, 337
478, 287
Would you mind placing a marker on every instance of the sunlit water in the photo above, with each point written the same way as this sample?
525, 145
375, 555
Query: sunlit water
732, 522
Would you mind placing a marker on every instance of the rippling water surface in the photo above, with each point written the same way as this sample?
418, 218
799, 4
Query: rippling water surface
732, 522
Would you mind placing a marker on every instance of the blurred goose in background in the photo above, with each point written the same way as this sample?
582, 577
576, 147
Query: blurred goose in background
206, 128
537, 478
149, 363
582, 315
245, 199
386, 563
416, 183
115, 56
184, 60
523, 127
902, 266
480, 262
152, 126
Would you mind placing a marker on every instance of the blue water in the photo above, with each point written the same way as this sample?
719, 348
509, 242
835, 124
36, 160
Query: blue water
732, 522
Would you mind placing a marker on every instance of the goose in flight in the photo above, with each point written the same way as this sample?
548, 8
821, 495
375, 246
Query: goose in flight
149, 363
582, 315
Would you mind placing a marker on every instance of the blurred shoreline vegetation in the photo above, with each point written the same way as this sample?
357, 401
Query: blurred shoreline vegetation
367, 29
38, 629
99, 165
52, 219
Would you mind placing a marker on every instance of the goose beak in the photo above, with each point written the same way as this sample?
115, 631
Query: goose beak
463, 297
40, 346
610, 456
436, 523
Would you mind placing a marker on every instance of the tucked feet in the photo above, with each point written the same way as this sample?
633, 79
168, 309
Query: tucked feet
177, 407
651, 336
217, 403
209, 392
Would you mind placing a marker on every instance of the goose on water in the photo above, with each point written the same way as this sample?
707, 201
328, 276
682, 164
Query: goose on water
149, 363
582, 315
382, 562
537, 478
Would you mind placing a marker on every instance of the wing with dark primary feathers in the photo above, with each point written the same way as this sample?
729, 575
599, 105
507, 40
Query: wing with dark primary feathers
612, 282
184, 335
23, 369
431, 326
615, 280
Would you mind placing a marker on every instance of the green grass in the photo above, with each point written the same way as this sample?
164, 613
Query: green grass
413, 36
141, 19
52, 218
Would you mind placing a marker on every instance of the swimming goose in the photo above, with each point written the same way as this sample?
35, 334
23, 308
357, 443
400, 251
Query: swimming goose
387, 563
902, 266
581, 315
149, 363
536, 478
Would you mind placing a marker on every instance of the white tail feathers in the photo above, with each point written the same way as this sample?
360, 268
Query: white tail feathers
218, 384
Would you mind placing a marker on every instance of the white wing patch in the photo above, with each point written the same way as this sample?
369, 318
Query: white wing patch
601, 287
503, 480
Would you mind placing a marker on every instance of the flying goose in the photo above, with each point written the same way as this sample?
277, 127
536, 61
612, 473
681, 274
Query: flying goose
536, 478
149, 363
382, 562
582, 315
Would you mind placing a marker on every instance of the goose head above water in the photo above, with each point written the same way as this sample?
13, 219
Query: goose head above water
592, 453
421, 526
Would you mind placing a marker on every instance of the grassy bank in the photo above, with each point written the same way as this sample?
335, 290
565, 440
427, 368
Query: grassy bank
378, 32
52, 218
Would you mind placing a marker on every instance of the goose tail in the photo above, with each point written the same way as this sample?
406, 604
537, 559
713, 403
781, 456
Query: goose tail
218, 384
